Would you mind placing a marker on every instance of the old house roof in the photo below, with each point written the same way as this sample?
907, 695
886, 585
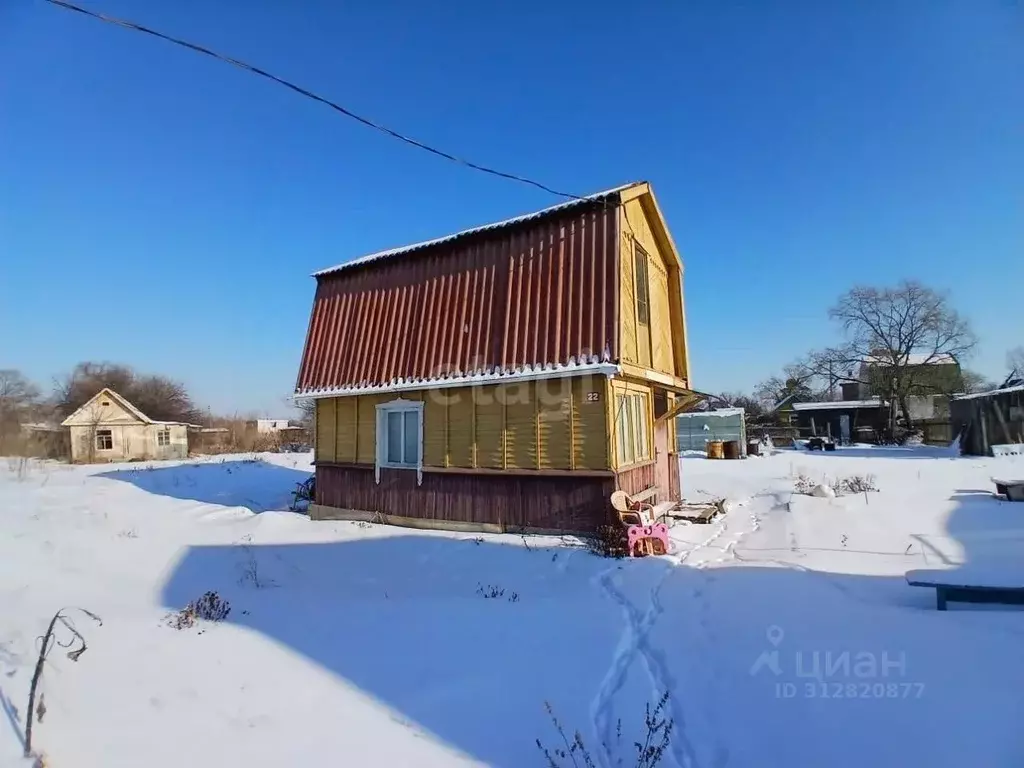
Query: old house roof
530, 297
121, 401
109, 394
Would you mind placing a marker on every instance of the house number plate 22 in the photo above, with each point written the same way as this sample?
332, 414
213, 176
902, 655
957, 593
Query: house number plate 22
593, 397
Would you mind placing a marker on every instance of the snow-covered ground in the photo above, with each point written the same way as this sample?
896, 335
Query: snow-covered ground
784, 632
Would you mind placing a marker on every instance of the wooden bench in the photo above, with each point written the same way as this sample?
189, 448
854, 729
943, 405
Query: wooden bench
644, 495
973, 584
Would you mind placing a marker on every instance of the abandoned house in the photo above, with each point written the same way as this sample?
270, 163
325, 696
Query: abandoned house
505, 378
109, 428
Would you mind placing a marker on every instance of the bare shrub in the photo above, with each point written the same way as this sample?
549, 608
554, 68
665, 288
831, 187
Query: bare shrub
209, 607
841, 486
75, 641
855, 484
236, 435
803, 484
649, 751
609, 541
251, 575
18, 466
490, 591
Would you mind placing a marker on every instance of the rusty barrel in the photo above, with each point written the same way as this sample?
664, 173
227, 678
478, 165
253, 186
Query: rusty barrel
731, 449
715, 450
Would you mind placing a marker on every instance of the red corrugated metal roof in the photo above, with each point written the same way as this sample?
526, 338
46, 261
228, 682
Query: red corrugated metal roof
475, 230
537, 294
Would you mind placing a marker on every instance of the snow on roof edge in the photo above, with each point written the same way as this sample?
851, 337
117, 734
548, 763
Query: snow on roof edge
122, 401
838, 404
473, 230
520, 374
1000, 391
719, 412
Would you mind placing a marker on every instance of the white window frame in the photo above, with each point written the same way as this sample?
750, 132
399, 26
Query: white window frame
103, 433
165, 433
398, 406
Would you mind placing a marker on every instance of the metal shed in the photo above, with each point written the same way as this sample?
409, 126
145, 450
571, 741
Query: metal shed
693, 430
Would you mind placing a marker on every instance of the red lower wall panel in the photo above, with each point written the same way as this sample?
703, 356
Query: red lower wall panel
510, 501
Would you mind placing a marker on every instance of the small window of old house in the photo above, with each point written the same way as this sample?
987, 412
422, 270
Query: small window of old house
104, 440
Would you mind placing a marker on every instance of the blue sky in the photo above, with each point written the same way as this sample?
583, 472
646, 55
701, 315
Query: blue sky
162, 209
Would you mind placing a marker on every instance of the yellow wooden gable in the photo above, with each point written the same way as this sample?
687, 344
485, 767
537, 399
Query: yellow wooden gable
653, 341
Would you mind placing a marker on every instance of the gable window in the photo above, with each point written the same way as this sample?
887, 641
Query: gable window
643, 288
104, 440
632, 428
400, 436
163, 437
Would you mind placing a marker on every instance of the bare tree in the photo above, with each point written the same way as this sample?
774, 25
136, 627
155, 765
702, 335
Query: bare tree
307, 410
894, 336
795, 381
159, 397
1015, 363
973, 382
85, 380
752, 406
18, 397
163, 399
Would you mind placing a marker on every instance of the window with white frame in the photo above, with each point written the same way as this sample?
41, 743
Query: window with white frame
631, 427
104, 440
400, 436
163, 437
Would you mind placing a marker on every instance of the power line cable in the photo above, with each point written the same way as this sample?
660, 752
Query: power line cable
333, 105
309, 94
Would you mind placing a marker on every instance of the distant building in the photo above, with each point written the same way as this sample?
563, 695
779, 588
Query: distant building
266, 426
844, 421
935, 377
109, 428
45, 440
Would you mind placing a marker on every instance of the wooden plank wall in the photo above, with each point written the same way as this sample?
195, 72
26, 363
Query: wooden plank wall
674, 491
635, 227
511, 501
636, 479
556, 424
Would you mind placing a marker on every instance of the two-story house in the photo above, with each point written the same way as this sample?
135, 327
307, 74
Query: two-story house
508, 377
